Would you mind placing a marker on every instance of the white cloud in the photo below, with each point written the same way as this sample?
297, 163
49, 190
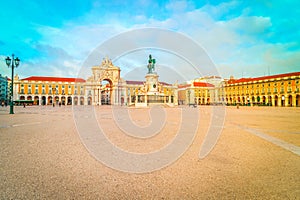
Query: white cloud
219, 10
250, 25
237, 45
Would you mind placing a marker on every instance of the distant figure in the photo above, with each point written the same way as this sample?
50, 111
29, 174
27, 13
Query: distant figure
24, 105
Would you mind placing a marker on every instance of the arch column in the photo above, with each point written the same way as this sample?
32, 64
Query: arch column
205, 98
273, 100
294, 100
286, 100
279, 100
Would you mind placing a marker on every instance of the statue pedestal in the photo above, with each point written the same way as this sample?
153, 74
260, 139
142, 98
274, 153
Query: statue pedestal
152, 84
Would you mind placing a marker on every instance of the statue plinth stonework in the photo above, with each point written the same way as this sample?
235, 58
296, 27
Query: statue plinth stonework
152, 84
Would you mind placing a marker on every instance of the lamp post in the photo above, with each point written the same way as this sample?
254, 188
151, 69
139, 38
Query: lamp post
13, 62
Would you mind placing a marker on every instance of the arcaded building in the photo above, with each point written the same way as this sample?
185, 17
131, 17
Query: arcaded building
275, 90
106, 87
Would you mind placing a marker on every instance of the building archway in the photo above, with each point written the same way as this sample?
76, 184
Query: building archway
36, 100
56, 100
298, 100
248, 100
50, 100
29, 98
276, 100
63, 100
258, 99
290, 100
253, 100
22, 98
106, 92
81, 100
69, 101
89, 101
75, 101
264, 100
282, 100
270, 101
43, 100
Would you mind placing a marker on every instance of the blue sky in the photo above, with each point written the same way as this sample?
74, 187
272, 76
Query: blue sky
243, 38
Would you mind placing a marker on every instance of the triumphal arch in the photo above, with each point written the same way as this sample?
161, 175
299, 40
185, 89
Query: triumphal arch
99, 93
105, 86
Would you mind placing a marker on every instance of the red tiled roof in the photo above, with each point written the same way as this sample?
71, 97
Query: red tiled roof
242, 80
56, 79
203, 84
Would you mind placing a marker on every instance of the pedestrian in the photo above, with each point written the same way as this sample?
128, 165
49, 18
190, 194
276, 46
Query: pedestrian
24, 105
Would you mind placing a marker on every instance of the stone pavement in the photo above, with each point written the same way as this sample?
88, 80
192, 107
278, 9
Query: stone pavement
43, 157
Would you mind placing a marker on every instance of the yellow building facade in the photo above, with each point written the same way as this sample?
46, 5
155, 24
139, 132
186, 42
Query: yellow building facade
49, 90
275, 90
200, 93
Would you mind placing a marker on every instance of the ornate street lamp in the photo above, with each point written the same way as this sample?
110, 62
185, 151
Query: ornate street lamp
13, 62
